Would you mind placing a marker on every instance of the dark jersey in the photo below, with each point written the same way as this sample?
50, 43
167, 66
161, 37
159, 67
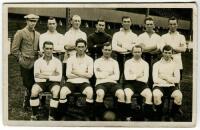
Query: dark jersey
97, 39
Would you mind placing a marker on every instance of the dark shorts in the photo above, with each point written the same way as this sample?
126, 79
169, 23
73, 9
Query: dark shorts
109, 88
77, 87
47, 86
167, 91
136, 86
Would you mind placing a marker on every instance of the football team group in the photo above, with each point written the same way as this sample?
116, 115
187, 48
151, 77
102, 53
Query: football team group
122, 66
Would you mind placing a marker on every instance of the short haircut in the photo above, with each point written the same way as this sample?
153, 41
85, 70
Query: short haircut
137, 46
148, 18
173, 18
47, 43
126, 17
80, 40
75, 16
100, 20
107, 44
52, 18
167, 48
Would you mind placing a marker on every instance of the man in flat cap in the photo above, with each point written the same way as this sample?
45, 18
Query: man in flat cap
25, 49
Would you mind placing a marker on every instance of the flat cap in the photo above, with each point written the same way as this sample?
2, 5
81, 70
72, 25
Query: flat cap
31, 16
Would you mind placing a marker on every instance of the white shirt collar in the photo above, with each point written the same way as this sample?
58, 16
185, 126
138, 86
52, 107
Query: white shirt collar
171, 33
137, 60
52, 32
81, 57
122, 29
74, 29
51, 58
152, 33
105, 58
164, 61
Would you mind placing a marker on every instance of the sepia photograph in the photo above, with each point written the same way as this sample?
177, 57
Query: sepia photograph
103, 64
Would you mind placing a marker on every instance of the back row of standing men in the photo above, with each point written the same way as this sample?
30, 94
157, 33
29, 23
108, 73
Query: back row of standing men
25, 48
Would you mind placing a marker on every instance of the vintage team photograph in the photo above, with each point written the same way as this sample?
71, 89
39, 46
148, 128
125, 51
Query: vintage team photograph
100, 64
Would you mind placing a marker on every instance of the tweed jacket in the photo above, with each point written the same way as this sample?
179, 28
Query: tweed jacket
25, 48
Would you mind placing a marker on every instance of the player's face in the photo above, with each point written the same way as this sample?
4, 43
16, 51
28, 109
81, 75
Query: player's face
80, 48
48, 50
52, 25
76, 22
107, 50
167, 55
126, 23
31, 23
100, 26
173, 25
149, 25
137, 52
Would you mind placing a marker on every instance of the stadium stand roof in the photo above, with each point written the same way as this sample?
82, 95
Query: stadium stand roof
181, 13
114, 14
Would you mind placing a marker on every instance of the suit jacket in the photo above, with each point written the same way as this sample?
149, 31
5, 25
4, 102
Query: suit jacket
25, 48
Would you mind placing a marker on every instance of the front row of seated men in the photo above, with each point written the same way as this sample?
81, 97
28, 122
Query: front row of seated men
48, 73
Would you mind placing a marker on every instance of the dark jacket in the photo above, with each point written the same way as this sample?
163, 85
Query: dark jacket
25, 48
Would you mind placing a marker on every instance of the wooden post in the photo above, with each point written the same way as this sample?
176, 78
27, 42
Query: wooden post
147, 12
67, 19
